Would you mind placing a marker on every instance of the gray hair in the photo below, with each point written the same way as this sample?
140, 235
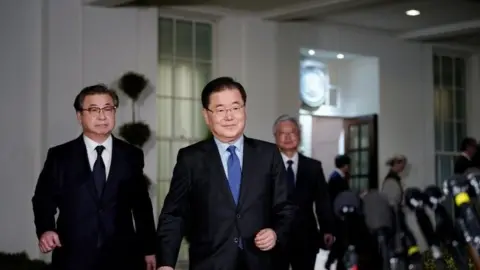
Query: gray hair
285, 117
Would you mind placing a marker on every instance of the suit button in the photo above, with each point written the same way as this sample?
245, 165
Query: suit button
235, 240
238, 216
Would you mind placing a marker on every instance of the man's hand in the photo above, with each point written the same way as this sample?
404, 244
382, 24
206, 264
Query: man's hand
48, 241
150, 261
165, 268
328, 239
266, 239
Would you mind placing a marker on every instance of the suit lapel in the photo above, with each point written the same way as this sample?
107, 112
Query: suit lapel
301, 171
85, 172
115, 169
248, 169
213, 162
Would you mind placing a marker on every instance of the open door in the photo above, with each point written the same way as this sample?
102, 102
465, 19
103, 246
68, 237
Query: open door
361, 146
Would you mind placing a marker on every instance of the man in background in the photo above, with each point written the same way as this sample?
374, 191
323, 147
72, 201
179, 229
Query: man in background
338, 182
96, 183
307, 187
463, 162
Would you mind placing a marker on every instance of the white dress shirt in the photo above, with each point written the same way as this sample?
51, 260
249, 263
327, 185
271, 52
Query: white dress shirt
92, 153
294, 164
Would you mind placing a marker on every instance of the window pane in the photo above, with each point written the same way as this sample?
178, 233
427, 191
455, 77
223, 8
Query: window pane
448, 139
354, 143
203, 74
164, 110
363, 184
183, 118
447, 104
447, 72
364, 164
184, 39
165, 38
460, 107
438, 135
446, 169
436, 70
183, 79
461, 133
203, 41
176, 146
164, 79
364, 133
200, 130
460, 73
354, 160
165, 165
162, 189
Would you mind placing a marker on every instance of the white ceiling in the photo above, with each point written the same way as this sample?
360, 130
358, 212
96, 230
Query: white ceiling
455, 22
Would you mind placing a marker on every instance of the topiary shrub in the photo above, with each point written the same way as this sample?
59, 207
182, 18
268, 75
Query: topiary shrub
21, 261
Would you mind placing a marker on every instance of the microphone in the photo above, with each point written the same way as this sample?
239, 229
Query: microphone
445, 229
347, 208
458, 186
379, 219
414, 200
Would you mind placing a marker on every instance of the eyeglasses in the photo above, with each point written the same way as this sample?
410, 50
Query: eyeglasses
222, 112
95, 111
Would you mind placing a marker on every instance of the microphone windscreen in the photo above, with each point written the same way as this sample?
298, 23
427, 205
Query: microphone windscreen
377, 211
345, 202
433, 192
414, 197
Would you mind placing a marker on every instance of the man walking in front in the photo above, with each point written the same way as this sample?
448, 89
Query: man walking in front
96, 183
228, 194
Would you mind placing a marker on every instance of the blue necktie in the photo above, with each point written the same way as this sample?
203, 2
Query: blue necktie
234, 173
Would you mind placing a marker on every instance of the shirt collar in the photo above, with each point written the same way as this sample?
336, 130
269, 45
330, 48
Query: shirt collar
340, 172
223, 146
91, 144
466, 155
294, 158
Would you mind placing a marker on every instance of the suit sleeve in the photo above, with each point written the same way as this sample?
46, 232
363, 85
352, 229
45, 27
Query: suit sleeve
393, 192
323, 205
45, 198
172, 220
142, 209
283, 209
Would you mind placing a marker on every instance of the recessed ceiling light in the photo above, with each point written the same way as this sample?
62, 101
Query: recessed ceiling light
311, 52
412, 12
340, 56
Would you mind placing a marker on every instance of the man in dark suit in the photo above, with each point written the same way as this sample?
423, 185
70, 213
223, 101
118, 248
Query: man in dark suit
338, 183
307, 187
228, 194
96, 183
464, 161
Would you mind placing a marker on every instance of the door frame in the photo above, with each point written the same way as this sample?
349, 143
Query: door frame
372, 120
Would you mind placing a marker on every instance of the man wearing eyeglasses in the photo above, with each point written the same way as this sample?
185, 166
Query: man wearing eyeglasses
96, 183
228, 194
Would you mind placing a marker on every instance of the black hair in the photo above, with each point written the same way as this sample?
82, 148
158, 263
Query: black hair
467, 142
341, 161
98, 89
221, 84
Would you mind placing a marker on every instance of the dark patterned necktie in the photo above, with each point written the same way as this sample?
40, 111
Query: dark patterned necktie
290, 177
99, 173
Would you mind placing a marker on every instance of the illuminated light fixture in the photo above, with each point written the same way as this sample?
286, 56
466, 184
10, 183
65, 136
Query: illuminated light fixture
412, 12
340, 56
311, 52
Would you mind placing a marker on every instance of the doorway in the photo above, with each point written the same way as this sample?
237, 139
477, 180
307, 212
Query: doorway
356, 137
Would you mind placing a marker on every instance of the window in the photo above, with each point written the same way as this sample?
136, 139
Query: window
450, 111
184, 67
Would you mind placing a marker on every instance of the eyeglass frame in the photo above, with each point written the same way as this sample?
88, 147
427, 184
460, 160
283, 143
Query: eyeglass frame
231, 110
100, 110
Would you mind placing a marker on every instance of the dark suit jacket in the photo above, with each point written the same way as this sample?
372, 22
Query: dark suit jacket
66, 184
462, 164
199, 205
336, 185
310, 189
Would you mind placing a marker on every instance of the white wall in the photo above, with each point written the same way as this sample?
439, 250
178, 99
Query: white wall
50, 50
